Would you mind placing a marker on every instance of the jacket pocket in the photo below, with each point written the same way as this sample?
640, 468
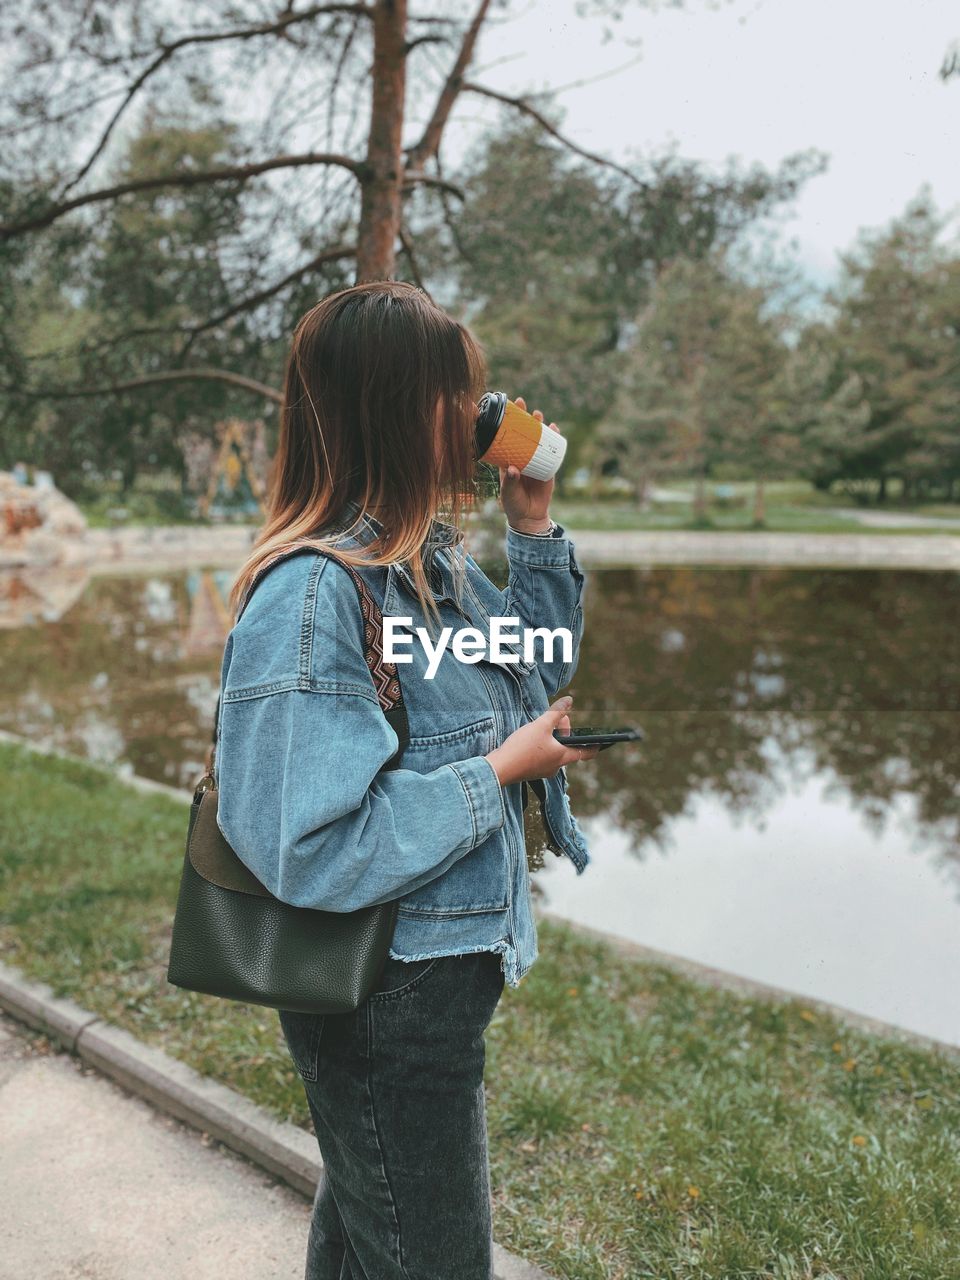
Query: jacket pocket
480, 880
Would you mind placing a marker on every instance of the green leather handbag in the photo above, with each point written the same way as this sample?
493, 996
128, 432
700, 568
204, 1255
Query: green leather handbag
232, 937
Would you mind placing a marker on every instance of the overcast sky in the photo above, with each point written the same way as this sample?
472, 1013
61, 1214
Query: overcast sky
757, 79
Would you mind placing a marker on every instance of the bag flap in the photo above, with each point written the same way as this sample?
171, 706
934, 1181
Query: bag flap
213, 858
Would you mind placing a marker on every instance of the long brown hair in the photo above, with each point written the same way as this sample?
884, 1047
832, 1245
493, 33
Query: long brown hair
367, 368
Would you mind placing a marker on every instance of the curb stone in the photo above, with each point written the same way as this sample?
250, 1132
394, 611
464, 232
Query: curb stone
284, 1150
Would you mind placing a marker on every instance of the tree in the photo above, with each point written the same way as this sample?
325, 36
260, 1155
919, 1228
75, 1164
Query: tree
699, 384
552, 257
822, 401
175, 255
127, 293
898, 331
323, 180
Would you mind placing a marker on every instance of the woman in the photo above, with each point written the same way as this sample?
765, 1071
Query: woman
377, 435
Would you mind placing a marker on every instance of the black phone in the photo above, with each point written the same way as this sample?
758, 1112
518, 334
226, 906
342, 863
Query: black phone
591, 736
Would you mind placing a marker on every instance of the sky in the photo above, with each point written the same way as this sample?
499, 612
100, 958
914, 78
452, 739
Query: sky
755, 79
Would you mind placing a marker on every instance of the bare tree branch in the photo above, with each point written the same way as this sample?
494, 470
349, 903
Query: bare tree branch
428, 180
192, 331
411, 256
287, 18
418, 40
153, 379
335, 84
523, 105
429, 143
239, 173
451, 225
44, 122
269, 291
167, 51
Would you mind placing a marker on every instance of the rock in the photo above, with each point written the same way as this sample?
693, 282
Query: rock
39, 525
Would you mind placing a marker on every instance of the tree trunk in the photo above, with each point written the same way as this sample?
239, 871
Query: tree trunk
699, 501
380, 202
129, 472
759, 504
882, 495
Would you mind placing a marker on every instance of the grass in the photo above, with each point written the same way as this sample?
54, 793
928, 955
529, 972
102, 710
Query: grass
793, 506
641, 1124
620, 516
141, 506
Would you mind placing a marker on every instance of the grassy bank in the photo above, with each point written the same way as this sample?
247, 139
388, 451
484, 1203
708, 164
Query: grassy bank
786, 513
641, 1124
792, 506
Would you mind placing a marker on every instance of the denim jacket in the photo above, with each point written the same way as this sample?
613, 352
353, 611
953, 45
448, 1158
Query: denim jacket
304, 799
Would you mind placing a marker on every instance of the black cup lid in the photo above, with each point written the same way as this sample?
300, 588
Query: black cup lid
492, 407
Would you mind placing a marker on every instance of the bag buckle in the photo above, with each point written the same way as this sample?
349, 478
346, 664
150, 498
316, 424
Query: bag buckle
211, 782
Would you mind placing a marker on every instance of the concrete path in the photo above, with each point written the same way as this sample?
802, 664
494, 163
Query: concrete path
894, 519
695, 547
97, 1185
139, 550
103, 1182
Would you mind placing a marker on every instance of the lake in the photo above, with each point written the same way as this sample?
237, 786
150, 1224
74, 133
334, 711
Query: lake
793, 814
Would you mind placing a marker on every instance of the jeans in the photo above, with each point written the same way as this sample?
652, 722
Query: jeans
395, 1090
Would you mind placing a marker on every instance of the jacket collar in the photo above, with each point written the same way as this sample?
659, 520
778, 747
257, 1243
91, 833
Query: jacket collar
365, 527
441, 534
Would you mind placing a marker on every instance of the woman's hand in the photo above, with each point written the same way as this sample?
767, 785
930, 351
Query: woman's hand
525, 501
533, 751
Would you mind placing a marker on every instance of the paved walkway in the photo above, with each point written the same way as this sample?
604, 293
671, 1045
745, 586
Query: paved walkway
695, 547
894, 519
97, 1185
174, 547
228, 545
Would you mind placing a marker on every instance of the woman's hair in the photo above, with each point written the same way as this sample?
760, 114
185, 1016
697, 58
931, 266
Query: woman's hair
366, 371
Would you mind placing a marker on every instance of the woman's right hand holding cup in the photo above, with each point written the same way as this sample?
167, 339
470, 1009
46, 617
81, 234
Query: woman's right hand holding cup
533, 752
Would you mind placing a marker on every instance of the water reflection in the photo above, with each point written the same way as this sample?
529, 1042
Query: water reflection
801, 764
855, 674
810, 899
129, 675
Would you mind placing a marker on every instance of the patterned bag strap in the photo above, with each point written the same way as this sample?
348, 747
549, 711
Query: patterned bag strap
386, 678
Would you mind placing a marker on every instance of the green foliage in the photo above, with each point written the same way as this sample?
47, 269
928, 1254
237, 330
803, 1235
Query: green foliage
607, 300
551, 261
876, 393
132, 292
698, 382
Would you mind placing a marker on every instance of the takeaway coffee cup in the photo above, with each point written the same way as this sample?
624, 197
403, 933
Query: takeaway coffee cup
508, 436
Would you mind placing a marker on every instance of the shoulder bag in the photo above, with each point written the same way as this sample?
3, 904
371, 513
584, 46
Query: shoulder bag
232, 937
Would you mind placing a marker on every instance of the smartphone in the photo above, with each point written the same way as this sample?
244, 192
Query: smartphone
591, 736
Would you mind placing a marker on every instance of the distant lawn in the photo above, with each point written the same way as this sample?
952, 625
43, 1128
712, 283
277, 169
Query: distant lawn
617, 517
641, 1124
792, 506
781, 517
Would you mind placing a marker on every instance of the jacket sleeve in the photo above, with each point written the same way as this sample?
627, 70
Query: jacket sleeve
545, 588
303, 797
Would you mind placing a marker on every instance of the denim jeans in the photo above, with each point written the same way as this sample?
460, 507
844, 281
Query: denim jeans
395, 1090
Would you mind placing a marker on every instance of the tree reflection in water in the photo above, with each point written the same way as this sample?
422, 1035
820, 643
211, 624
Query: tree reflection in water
855, 673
